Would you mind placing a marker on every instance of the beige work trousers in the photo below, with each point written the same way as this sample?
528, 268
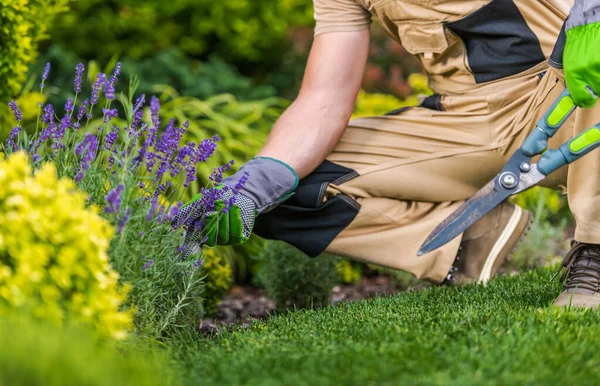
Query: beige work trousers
417, 167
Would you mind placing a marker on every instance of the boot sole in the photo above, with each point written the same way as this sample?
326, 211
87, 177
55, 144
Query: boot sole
503, 246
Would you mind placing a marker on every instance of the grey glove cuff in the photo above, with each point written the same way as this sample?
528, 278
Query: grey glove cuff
583, 12
269, 183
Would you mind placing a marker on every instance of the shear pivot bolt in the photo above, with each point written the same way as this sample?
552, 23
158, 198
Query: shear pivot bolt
508, 181
525, 167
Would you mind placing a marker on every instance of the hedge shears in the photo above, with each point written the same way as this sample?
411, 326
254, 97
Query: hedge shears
519, 173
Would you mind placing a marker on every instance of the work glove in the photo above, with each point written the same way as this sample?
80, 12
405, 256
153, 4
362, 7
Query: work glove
581, 55
225, 215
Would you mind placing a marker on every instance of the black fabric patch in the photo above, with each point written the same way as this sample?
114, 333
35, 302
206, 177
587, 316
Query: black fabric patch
433, 102
498, 41
303, 221
556, 58
398, 111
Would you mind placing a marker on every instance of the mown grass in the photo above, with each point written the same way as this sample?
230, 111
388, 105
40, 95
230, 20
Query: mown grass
505, 333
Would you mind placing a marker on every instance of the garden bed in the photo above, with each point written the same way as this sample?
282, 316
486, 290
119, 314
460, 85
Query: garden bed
243, 304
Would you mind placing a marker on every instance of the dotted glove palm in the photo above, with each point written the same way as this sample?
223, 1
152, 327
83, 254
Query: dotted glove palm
581, 58
225, 215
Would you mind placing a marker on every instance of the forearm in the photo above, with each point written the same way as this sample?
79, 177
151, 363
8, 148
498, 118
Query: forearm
307, 132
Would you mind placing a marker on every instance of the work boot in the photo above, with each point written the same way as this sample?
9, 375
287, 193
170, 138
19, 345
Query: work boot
582, 274
488, 243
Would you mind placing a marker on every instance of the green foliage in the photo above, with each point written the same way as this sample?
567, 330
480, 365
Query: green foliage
23, 23
554, 205
218, 279
37, 354
504, 333
192, 78
350, 272
241, 31
293, 280
547, 241
379, 104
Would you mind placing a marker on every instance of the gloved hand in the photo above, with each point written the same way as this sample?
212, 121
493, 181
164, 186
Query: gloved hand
581, 55
259, 186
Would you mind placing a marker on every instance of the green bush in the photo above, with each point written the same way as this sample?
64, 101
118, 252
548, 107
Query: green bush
547, 241
192, 78
369, 104
38, 354
350, 272
23, 23
293, 280
243, 31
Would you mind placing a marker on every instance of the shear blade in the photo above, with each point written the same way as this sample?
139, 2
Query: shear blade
486, 199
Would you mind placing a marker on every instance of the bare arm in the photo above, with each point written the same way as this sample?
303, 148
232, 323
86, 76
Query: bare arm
311, 127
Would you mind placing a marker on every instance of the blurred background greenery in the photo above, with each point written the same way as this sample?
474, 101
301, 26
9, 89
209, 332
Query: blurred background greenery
229, 67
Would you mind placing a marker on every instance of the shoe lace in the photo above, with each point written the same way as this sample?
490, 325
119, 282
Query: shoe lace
579, 270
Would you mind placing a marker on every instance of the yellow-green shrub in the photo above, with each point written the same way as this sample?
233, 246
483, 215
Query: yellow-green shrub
53, 259
219, 279
379, 104
350, 272
23, 23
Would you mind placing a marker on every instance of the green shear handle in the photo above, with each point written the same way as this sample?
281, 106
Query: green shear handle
547, 126
571, 151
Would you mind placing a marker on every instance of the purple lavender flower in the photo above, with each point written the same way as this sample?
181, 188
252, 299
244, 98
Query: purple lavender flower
16, 111
198, 264
174, 211
109, 114
151, 159
88, 148
137, 119
113, 200
124, 219
45, 74
147, 265
80, 114
78, 74
48, 115
216, 138
154, 110
96, 88
10, 142
142, 234
109, 84
111, 162
111, 138
217, 174
153, 207
50, 131
161, 214
109, 90
185, 155
141, 185
206, 148
139, 102
116, 73
69, 105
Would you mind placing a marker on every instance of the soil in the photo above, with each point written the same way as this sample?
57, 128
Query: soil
244, 304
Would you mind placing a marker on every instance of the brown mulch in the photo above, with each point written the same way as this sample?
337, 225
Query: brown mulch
242, 305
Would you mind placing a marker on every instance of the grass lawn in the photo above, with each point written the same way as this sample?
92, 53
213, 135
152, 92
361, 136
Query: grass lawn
501, 334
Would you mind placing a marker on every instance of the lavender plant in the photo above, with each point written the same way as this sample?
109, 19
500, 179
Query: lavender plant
115, 150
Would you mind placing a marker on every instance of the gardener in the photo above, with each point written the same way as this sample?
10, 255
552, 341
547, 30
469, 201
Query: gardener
374, 188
